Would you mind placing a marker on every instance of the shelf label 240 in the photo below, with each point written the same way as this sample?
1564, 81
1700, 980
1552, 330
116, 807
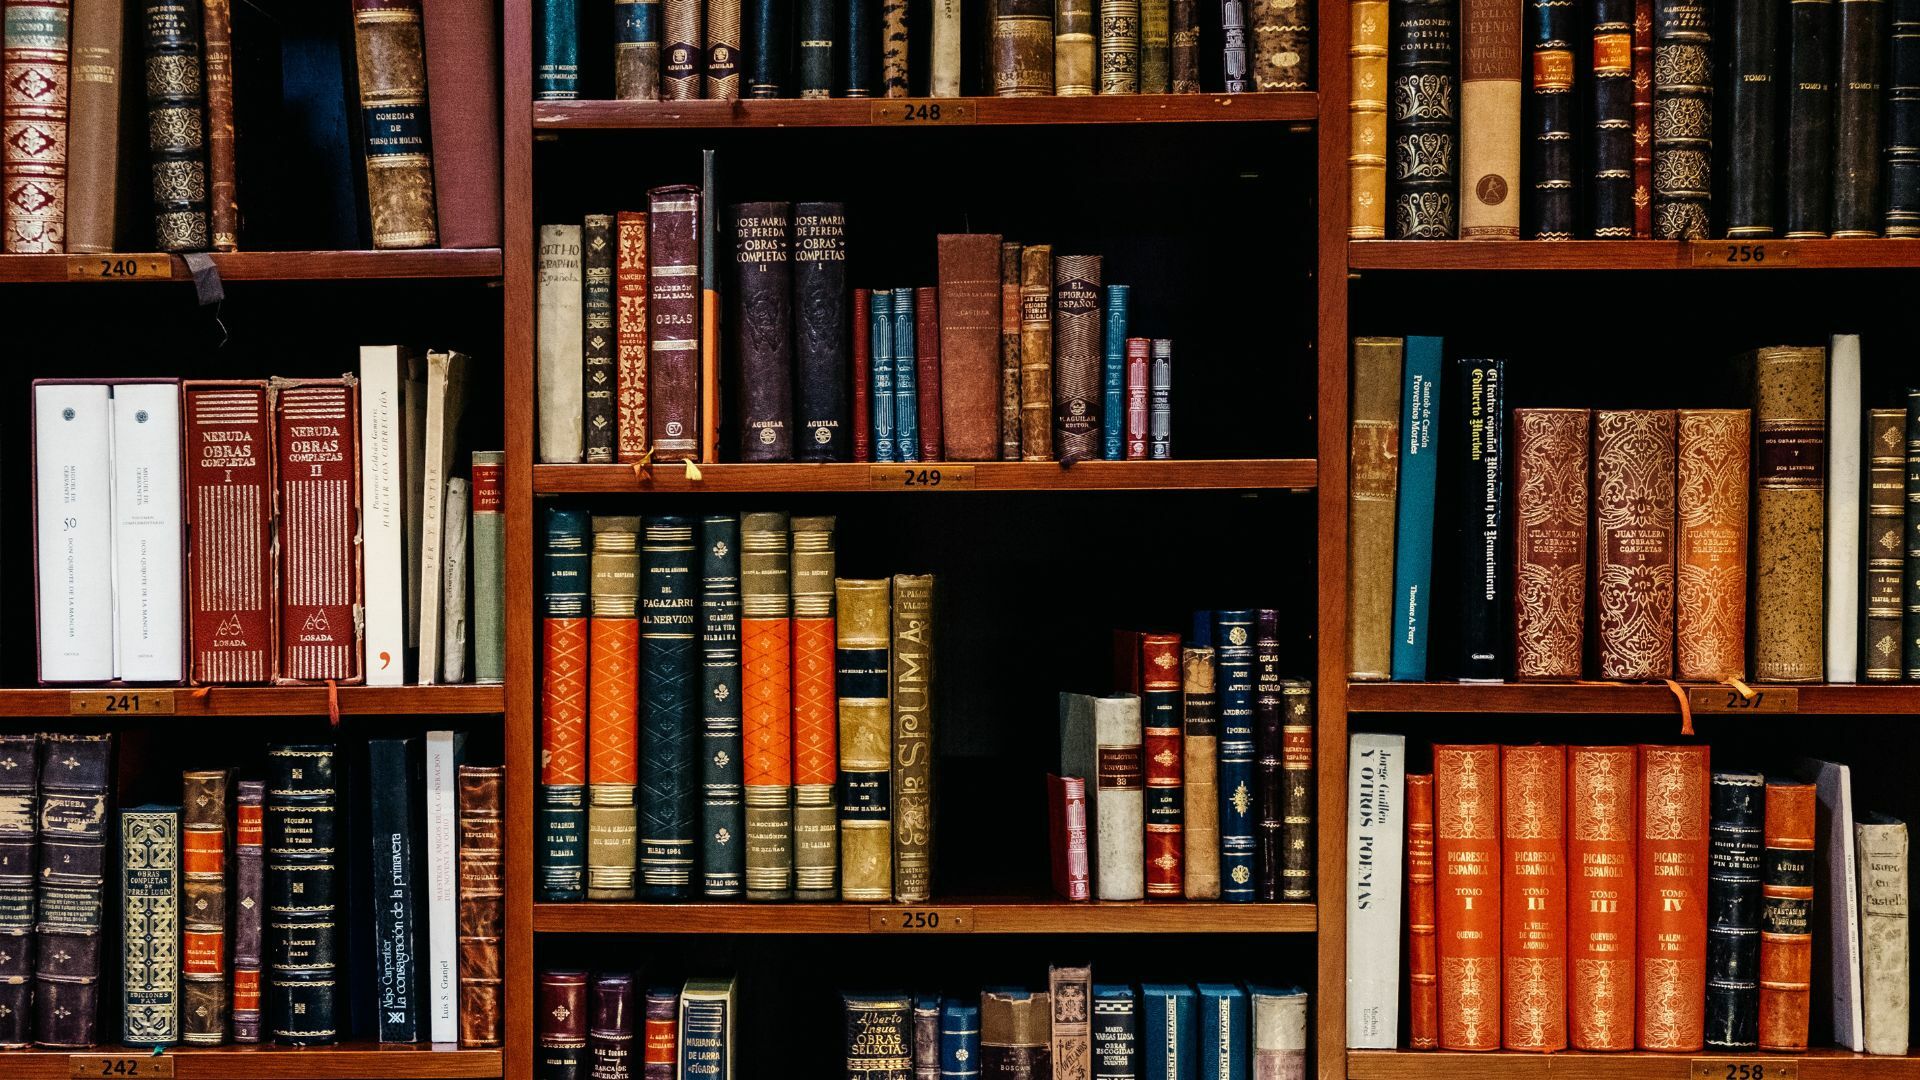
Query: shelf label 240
119, 267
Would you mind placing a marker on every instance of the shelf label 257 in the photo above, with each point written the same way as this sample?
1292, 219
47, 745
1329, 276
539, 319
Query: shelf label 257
1725, 699
1745, 1068
920, 920
119, 1066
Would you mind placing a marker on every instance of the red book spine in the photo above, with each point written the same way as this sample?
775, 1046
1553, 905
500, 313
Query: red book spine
1067, 826
630, 336
462, 38
1161, 730
1466, 848
563, 702
1533, 892
1786, 924
926, 342
862, 375
1423, 997
1673, 825
1139, 356
229, 464
1600, 903
33, 205
1642, 119
318, 439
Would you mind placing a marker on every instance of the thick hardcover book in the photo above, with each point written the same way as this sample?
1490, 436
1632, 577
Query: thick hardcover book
176, 123
1009, 350
482, 900
556, 70
1413, 544
723, 865
1477, 442
636, 50
1844, 480
303, 895
1600, 901
1161, 723
669, 656
1786, 908
862, 342
148, 570
1490, 110
1036, 353
150, 910
1751, 117
926, 381
19, 811
1268, 713
1859, 85
1882, 603
1168, 1039
970, 327
1711, 547
1022, 48
34, 157
1733, 911
560, 854
1424, 121
1233, 634
394, 790
766, 638
705, 1035
73, 530
1076, 356
820, 332
1067, 837
75, 773
1836, 948
1682, 119
1183, 35
1070, 993
1282, 47
684, 48
630, 336
1633, 533
560, 1029
1376, 828
203, 911
1902, 120
1015, 1034
1119, 46
1160, 401
489, 566
1423, 959
926, 1037
597, 242
1223, 1028
1279, 1035
390, 473
1373, 483
763, 314
462, 39
223, 212
1137, 359
1551, 110
317, 437
816, 720
1881, 843
1811, 69
1550, 542
610, 1034
1671, 834
1789, 411
722, 62
560, 333
816, 47
959, 1038
673, 305
1199, 783
660, 1036
880, 334
1642, 119
880, 1037
911, 697
1233, 48
95, 71
1116, 1033
1466, 839
230, 491
906, 380
1611, 95
1075, 42
613, 690
769, 48
1366, 119
863, 630
249, 904
393, 119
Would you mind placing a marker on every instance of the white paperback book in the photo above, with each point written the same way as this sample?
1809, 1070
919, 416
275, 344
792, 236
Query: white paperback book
1092, 727
456, 555
1836, 903
383, 486
148, 571
1881, 844
443, 888
73, 530
558, 326
1376, 841
1844, 475
446, 400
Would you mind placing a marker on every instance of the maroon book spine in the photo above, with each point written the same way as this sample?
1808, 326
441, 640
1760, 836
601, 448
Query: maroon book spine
1067, 820
1139, 354
230, 466
673, 307
862, 374
926, 340
316, 425
560, 1039
463, 116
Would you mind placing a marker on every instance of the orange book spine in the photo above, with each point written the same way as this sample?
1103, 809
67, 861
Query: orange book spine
766, 647
1600, 901
563, 702
815, 708
1466, 848
1533, 896
1672, 832
1786, 929
613, 727
1423, 1019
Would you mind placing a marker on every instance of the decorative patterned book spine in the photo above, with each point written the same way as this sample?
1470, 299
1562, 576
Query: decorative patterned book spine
862, 341
1671, 834
1550, 542
303, 928
820, 331
1858, 87
74, 778
1036, 353
1076, 356
1886, 550
1268, 734
1282, 45
556, 72
1611, 94
597, 258
1881, 844
249, 903
1067, 837
1600, 904
763, 311
1154, 34
1790, 410
1373, 482
1161, 723
93, 128
673, 305
881, 1042
660, 1036
1366, 121
1902, 121
911, 697
1233, 664
1682, 119
150, 906
1160, 401
224, 213
1466, 804
708, 233
683, 51
863, 630
1116, 1033
1733, 911
969, 329
1200, 813
560, 1042
560, 332
1010, 349
176, 124
1910, 648
393, 117
1070, 993
1138, 360
766, 629
1478, 443
1075, 38
1550, 158
1119, 47
816, 848
613, 693
893, 47
636, 50
316, 427
1015, 1034
1490, 112
1423, 124
560, 860
1419, 473
880, 333
927, 390
906, 382
1233, 52
1296, 801
34, 156
482, 900
1633, 476
1183, 32
669, 655
398, 929
1642, 119
1786, 906
1711, 586
229, 512
1810, 90
1223, 1028
1423, 962
722, 66
19, 810
722, 813
489, 566
1022, 48
203, 917
610, 1033
1751, 118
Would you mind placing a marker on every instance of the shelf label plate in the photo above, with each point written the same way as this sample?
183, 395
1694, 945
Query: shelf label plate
119, 268
920, 920
1743, 254
920, 112
1744, 1068
122, 1066
920, 477
118, 703
1725, 699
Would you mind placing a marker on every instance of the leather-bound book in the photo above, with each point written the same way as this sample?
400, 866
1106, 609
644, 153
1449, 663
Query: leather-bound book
926, 1036
93, 124
1550, 542
1015, 1035
1116, 1031
820, 331
249, 904
1859, 84
763, 313
723, 866
560, 853
1423, 125
1751, 118
1233, 50
1199, 784
816, 719
1138, 360
863, 631
1373, 480
1902, 121
1067, 837
303, 895
1119, 46
1160, 401
561, 375
766, 658
399, 926
893, 47
970, 332
597, 255
1642, 119
1155, 68
560, 1036
1600, 900
660, 1034
150, 912
1881, 609
224, 213
880, 1036
669, 656
1881, 844
1366, 120
722, 66
1282, 54
1786, 906
1711, 589
1297, 845
1268, 712
1477, 442
230, 490
1682, 119
683, 50
1466, 839
1551, 110
1009, 351
1183, 34
481, 911
1074, 40
1076, 357
816, 44
1789, 559
1533, 894
613, 689
610, 1034
1161, 722
1022, 48
1423, 960
176, 124
75, 773
906, 380
1671, 833
1811, 68
1910, 546
880, 335
19, 811
556, 65
630, 336
203, 909
926, 382
1036, 353
911, 697
33, 157
317, 439
1733, 911
1233, 634
673, 305
393, 103
708, 1011
1070, 994
1633, 501
636, 50
462, 38
1490, 112
862, 340
1610, 197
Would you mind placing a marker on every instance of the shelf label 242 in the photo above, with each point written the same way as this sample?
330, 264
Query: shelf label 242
1744, 1068
119, 1066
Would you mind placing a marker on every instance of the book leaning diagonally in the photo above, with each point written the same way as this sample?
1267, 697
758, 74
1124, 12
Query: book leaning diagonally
1836, 908
1376, 832
446, 400
73, 474
454, 637
148, 571
383, 494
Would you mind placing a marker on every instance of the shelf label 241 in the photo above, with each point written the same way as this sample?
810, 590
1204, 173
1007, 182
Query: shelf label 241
1744, 1068
120, 702
120, 1066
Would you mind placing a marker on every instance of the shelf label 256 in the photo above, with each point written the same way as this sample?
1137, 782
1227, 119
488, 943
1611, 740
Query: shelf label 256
119, 1066
1747, 1068
920, 920
1742, 254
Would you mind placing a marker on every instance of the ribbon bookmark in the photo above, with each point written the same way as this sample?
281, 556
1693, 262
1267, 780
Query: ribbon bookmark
1686, 708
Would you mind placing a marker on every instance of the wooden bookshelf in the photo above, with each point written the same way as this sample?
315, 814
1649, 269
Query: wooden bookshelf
985, 916
1504, 255
1622, 698
955, 112
1295, 474
1629, 1065
345, 1061
131, 268
161, 703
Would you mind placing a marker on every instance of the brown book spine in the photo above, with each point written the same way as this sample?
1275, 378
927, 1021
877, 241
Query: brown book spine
893, 47
1373, 483
230, 491
1786, 906
1282, 45
1466, 850
1533, 895
1076, 37
1672, 832
1886, 542
970, 335
93, 128
316, 424
1633, 541
1642, 119
1711, 589
630, 336
1600, 902
684, 51
33, 106
463, 111
673, 308
1184, 36
1022, 48
1367, 120
1550, 542
479, 913
928, 364
1009, 351
1491, 87
1077, 355
1789, 466
393, 104
862, 375
1036, 353
223, 211
1423, 963
203, 938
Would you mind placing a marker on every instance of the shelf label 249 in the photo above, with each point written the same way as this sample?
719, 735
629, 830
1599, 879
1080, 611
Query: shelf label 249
1747, 1068
940, 477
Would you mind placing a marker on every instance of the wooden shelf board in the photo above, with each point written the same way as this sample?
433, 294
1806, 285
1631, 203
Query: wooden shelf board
859, 112
1627, 1065
271, 700
284, 266
1293, 473
346, 1061
1595, 697
1616, 255
991, 916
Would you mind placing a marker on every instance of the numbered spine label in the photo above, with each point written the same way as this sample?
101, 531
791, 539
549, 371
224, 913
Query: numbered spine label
920, 920
920, 477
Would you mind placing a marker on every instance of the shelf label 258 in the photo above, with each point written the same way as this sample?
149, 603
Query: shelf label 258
119, 1066
920, 920
1749, 1068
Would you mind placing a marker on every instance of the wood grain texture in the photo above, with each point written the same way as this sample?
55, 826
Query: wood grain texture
344, 1061
991, 916
1517, 699
1291, 473
277, 700
856, 112
289, 265
1627, 1065
1607, 254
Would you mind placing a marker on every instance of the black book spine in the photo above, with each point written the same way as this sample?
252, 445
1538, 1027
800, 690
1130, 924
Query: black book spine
767, 44
816, 48
1862, 52
1267, 738
1552, 108
763, 319
596, 257
1733, 911
1612, 195
1423, 120
1752, 118
303, 922
824, 431
1910, 649
1480, 444
74, 781
19, 808
1810, 65
1682, 118
1116, 1037
176, 125
392, 793
723, 814
859, 58
1903, 119
610, 1033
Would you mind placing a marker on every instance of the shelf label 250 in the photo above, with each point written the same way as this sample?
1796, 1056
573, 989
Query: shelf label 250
1747, 1068
119, 1066
119, 702
920, 920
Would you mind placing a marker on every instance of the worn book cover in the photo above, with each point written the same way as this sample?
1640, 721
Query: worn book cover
1672, 838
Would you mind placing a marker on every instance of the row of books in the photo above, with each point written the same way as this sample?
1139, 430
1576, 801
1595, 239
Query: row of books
1632, 530
1613, 897
1683, 126
218, 942
70, 92
684, 50
1194, 778
1016, 355
250, 531
810, 696
684, 1030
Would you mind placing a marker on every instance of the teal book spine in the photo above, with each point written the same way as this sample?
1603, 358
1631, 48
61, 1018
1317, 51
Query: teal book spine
882, 359
1413, 548
906, 395
150, 949
723, 815
1225, 1031
556, 72
560, 807
1113, 377
1233, 663
669, 650
1167, 1037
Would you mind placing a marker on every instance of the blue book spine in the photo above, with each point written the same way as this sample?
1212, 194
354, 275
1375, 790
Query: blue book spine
723, 818
391, 793
1166, 1032
860, 59
959, 1039
882, 360
1225, 1032
669, 648
1113, 377
556, 72
1116, 1033
1233, 664
1160, 416
560, 860
906, 394
1413, 549
705, 1029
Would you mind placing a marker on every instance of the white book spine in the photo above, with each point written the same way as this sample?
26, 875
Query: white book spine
1122, 805
382, 512
1836, 903
562, 361
1376, 865
1844, 476
944, 43
413, 427
443, 981
1882, 849
148, 570
1279, 1033
453, 585
446, 390
73, 530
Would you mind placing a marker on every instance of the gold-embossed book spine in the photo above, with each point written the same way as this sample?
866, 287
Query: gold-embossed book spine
393, 118
613, 690
1633, 541
1367, 120
1119, 46
1373, 482
912, 699
1711, 588
863, 633
176, 125
1550, 542
1886, 544
1789, 564
203, 937
34, 105
1074, 43
1036, 353
1023, 49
